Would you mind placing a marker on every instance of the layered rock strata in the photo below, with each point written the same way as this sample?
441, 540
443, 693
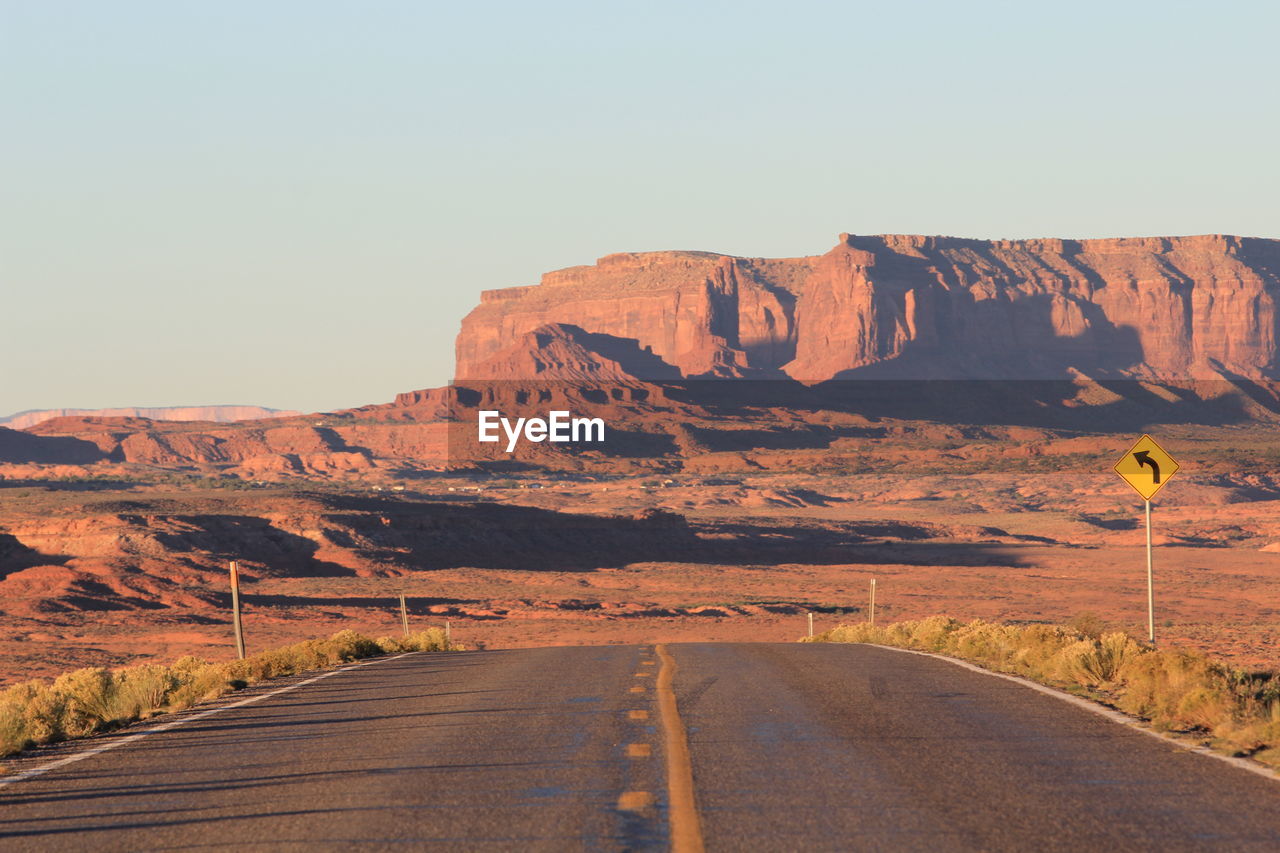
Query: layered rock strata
1164, 309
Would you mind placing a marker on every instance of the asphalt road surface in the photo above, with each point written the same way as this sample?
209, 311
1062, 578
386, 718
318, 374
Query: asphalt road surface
792, 747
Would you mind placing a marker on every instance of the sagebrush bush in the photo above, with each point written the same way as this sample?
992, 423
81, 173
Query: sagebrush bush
142, 689
1095, 662
430, 640
197, 680
93, 699
89, 696
1173, 689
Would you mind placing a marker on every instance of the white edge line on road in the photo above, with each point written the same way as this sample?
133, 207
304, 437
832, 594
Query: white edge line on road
113, 743
1101, 710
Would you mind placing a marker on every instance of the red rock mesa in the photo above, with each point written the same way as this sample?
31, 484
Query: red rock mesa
1164, 309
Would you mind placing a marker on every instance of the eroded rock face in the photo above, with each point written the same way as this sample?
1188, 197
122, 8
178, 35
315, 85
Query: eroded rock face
558, 351
249, 446
20, 447
700, 313
1162, 309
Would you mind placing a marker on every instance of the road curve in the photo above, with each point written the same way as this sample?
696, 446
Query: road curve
791, 747
849, 747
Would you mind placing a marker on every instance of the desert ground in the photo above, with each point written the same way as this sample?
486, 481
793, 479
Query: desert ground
129, 565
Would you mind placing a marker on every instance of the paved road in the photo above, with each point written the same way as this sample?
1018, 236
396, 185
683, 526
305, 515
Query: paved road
828, 747
793, 747
504, 750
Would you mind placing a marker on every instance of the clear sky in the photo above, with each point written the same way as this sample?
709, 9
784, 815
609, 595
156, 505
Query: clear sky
294, 203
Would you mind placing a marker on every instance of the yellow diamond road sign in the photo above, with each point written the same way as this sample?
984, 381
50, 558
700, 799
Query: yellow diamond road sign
1146, 467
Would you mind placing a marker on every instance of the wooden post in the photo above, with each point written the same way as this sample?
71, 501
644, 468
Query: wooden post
872, 610
404, 615
1151, 595
810, 623
448, 635
235, 609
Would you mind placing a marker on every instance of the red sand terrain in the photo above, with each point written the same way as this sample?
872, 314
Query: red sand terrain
114, 571
730, 497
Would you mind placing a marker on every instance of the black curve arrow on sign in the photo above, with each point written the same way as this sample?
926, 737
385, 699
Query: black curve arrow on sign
1144, 458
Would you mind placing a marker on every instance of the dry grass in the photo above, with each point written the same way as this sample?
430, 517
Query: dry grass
1175, 690
95, 699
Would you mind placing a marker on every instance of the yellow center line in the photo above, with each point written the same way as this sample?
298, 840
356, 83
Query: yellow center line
639, 750
637, 715
686, 827
636, 689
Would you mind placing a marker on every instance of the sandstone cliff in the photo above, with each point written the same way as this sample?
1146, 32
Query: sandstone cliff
217, 414
562, 351
1160, 309
1121, 333
699, 313
252, 449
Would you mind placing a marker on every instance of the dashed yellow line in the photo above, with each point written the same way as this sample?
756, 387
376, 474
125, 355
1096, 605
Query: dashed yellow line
639, 750
634, 801
637, 715
686, 827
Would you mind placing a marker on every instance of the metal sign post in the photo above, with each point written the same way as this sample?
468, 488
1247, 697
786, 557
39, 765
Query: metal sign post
1147, 467
235, 609
1151, 586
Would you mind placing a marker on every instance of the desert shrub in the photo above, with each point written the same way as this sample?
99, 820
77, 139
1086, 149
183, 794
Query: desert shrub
342, 647
1092, 662
1172, 689
430, 640
198, 680
1205, 706
12, 731
927, 634
934, 632
347, 646
987, 641
857, 633
90, 700
90, 697
1038, 645
26, 716
42, 716
390, 645
1154, 685
143, 689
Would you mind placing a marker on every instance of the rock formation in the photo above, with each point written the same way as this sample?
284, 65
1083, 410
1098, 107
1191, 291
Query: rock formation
696, 313
1164, 309
1121, 334
21, 447
558, 351
217, 414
